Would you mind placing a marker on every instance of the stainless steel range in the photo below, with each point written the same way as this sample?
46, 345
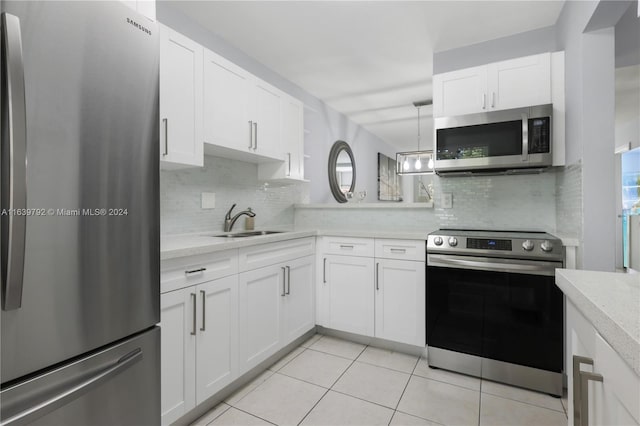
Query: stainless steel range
493, 309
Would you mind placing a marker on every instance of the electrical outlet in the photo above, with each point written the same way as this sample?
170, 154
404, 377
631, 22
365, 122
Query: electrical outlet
446, 200
208, 200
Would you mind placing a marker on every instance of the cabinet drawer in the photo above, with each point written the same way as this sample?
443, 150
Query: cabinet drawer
187, 271
262, 255
400, 249
348, 246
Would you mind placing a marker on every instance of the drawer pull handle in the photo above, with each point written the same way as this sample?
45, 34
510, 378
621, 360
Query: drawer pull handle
195, 271
284, 281
377, 276
585, 376
396, 250
344, 246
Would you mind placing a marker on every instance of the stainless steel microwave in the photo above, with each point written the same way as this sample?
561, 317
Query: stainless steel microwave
497, 141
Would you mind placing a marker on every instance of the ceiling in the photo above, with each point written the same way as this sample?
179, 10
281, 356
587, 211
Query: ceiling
367, 59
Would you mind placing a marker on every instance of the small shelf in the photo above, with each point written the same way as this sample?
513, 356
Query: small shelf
396, 206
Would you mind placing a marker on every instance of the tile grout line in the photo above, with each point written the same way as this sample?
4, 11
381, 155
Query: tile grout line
336, 381
223, 411
526, 403
395, 410
253, 415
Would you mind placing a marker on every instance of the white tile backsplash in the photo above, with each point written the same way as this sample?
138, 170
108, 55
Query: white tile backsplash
522, 202
232, 182
569, 201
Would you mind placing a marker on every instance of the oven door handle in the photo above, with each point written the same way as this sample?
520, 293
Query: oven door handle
487, 264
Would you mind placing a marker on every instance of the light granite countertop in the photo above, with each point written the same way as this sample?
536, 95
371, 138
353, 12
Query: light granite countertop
611, 302
173, 246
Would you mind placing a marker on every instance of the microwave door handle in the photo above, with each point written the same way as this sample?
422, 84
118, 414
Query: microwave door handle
525, 137
14, 165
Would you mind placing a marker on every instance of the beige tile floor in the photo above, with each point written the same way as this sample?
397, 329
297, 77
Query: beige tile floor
332, 382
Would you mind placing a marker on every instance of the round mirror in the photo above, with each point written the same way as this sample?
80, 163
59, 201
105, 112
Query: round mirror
342, 171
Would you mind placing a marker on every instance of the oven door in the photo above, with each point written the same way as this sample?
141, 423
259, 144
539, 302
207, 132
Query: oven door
502, 309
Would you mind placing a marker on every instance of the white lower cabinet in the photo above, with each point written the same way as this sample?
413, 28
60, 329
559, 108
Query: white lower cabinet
298, 315
199, 327
348, 294
276, 307
612, 388
178, 350
400, 301
260, 293
382, 296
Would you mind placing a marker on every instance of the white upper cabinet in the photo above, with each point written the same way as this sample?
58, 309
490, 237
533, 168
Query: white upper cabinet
181, 141
242, 114
267, 120
227, 94
460, 92
520, 82
292, 147
502, 85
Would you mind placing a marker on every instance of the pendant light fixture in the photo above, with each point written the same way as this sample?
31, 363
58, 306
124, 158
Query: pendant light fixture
418, 162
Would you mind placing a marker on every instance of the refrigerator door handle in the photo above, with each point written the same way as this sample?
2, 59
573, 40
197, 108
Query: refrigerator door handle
14, 167
74, 392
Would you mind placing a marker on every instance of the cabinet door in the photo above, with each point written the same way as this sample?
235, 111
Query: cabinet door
298, 304
178, 345
181, 142
226, 102
349, 294
293, 138
520, 82
400, 301
267, 117
460, 92
217, 346
260, 293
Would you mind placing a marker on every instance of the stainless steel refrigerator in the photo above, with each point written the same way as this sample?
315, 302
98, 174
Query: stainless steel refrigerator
80, 215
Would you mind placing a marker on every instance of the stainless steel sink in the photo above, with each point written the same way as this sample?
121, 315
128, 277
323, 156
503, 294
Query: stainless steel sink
247, 234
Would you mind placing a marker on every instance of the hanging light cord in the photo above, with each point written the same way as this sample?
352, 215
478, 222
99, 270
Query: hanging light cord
418, 128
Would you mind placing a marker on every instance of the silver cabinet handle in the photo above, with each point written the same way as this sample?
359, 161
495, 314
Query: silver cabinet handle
195, 271
193, 301
289, 171
250, 134
74, 392
324, 270
288, 280
284, 281
493, 99
344, 246
255, 138
165, 121
581, 390
14, 164
395, 250
585, 376
204, 307
484, 101
377, 276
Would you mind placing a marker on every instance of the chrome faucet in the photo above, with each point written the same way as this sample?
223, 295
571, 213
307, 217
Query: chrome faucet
229, 221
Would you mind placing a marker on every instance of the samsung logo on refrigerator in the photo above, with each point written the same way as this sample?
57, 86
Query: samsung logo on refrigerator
138, 26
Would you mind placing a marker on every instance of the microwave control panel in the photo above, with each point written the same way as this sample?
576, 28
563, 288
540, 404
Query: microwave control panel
539, 135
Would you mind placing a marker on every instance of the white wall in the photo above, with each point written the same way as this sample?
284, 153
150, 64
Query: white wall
324, 125
590, 100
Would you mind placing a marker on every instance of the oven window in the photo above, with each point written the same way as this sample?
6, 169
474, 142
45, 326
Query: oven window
515, 318
480, 141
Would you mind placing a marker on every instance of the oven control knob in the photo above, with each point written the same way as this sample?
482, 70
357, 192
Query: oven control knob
546, 246
438, 241
453, 241
527, 245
